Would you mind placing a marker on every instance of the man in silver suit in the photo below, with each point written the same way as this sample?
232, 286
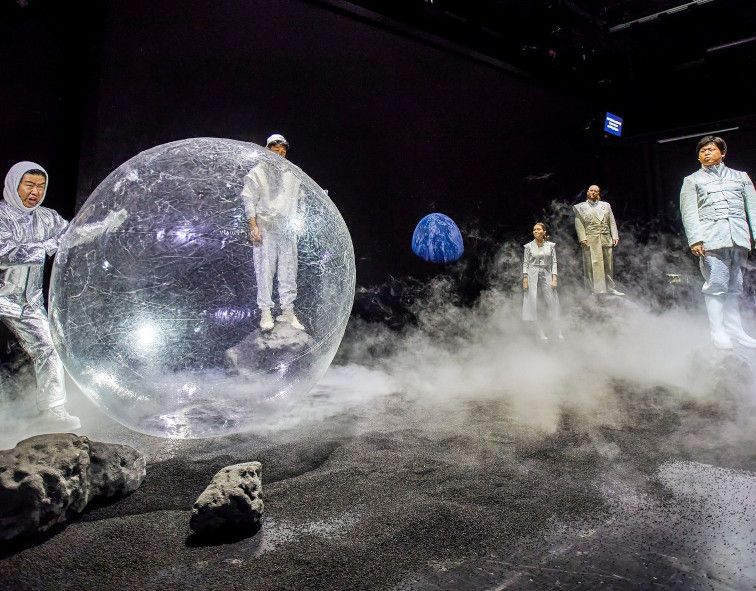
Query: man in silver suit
28, 234
717, 203
597, 233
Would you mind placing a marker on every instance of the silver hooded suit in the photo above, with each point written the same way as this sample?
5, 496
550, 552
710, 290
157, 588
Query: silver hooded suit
27, 237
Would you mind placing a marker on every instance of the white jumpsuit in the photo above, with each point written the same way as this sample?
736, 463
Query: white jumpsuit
27, 236
271, 196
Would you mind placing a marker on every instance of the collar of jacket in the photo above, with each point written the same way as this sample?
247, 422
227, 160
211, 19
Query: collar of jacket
715, 169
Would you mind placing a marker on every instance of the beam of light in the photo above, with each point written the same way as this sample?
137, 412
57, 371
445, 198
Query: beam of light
650, 17
699, 134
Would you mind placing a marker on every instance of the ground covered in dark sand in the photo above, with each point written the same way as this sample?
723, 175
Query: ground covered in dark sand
457, 453
650, 490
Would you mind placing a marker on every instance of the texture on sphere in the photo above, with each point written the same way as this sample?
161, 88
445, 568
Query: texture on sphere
437, 239
153, 293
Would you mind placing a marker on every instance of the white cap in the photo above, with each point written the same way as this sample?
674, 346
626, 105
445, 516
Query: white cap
277, 138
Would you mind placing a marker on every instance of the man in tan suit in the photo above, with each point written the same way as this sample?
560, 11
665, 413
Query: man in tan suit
597, 234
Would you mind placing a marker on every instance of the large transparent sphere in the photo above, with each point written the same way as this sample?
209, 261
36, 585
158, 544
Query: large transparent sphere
155, 308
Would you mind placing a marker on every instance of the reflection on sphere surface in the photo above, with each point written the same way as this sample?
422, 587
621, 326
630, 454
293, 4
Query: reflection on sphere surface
153, 293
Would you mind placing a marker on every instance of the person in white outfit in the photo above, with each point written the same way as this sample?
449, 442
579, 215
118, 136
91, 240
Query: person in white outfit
597, 233
539, 274
271, 196
717, 203
28, 234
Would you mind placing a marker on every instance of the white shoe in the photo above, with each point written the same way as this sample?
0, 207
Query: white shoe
715, 309
616, 292
721, 341
266, 319
58, 419
733, 325
289, 317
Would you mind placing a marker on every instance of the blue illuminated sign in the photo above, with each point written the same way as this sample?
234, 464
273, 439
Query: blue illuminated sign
613, 124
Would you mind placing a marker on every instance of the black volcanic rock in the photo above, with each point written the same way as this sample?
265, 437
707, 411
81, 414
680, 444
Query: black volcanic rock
47, 479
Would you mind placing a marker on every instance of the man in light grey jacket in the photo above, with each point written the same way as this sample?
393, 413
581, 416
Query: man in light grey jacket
716, 204
28, 234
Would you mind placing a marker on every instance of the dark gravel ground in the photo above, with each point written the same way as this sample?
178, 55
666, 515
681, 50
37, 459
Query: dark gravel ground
658, 492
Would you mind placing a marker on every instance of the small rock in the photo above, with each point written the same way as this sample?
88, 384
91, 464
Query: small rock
232, 503
47, 479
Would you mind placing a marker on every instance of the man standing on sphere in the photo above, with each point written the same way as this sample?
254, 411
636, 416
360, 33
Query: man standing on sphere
271, 197
597, 234
28, 234
716, 204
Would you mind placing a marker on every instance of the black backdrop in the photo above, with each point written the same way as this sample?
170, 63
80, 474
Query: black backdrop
393, 126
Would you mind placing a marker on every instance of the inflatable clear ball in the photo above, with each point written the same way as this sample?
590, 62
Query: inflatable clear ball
154, 304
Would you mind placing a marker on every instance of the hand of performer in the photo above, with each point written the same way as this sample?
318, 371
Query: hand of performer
525, 283
698, 249
254, 232
583, 243
51, 246
553, 281
615, 242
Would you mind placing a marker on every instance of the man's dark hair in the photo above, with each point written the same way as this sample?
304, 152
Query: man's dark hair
36, 171
711, 139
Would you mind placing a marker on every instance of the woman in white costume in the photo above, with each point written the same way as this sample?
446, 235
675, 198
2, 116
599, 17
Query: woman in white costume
539, 274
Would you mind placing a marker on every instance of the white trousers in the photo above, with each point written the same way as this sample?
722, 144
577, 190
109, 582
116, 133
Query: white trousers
539, 281
276, 255
33, 333
722, 270
598, 265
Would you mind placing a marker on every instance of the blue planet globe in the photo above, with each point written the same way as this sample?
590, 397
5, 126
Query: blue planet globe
437, 239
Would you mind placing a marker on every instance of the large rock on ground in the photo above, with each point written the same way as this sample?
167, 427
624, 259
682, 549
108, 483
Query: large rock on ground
47, 479
261, 350
231, 504
115, 470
